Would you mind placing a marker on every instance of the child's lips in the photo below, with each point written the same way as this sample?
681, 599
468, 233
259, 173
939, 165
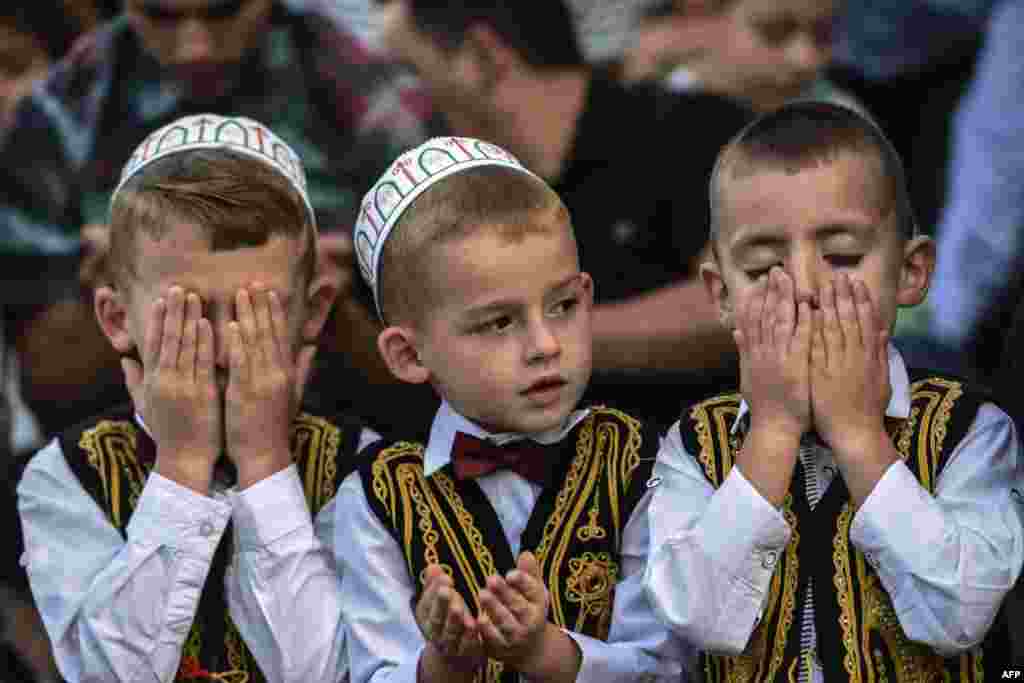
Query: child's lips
545, 388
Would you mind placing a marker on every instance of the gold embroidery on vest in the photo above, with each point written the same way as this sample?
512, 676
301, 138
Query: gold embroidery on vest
111, 446
843, 581
592, 530
789, 587
722, 408
383, 483
906, 433
934, 421
583, 476
591, 584
317, 440
233, 644
628, 455
477, 544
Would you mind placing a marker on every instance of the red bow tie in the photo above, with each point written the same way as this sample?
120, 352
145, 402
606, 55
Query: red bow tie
473, 457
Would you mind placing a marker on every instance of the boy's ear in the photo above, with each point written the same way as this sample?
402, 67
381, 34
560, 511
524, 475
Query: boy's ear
588, 290
320, 297
112, 315
397, 345
714, 283
916, 270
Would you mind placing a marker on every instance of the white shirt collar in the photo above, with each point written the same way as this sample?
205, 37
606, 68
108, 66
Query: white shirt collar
899, 401
447, 423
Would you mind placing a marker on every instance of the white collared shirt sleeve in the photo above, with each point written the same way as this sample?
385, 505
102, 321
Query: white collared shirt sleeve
713, 552
639, 646
284, 588
384, 642
115, 609
947, 561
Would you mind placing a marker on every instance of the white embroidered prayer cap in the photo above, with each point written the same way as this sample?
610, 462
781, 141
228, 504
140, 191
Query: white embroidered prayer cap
210, 131
407, 178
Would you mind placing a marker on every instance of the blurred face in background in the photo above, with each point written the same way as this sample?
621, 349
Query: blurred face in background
23, 61
457, 80
201, 43
771, 50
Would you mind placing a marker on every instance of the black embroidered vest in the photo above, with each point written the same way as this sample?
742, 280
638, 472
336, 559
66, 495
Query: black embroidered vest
575, 529
859, 637
113, 456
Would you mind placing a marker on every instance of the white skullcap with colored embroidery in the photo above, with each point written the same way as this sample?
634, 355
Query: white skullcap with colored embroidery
210, 131
407, 178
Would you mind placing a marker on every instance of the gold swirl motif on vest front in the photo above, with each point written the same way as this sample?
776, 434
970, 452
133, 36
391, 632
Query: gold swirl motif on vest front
111, 449
599, 442
591, 584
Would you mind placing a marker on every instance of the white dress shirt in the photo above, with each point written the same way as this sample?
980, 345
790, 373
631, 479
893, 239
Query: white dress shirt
120, 610
946, 561
385, 643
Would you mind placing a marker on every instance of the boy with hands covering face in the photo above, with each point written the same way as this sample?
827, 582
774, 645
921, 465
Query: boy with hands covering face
215, 305
510, 545
843, 516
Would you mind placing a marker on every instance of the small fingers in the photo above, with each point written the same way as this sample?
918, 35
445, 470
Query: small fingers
867, 318
802, 334
279, 322
266, 336
246, 319
204, 352
771, 308
454, 627
846, 310
238, 357
833, 333
173, 321
496, 622
786, 317
754, 313
512, 598
154, 334
529, 584
819, 352
190, 334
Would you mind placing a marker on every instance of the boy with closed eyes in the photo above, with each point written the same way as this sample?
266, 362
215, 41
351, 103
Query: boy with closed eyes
841, 516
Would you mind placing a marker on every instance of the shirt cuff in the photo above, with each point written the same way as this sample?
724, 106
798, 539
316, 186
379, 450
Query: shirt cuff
601, 662
169, 514
744, 531
271, 509
898, 516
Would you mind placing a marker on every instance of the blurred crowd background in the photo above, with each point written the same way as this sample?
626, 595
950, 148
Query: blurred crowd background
351, 83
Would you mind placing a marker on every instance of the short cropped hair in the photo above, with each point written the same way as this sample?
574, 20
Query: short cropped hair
507, 201
808, 133
237, 200
543, 33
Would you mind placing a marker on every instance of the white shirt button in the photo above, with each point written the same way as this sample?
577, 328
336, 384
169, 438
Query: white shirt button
205, 529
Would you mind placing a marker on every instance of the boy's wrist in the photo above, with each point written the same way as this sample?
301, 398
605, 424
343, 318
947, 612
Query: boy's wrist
869, 441
777, 427
189, 468
554, 657
254, 467
435, 665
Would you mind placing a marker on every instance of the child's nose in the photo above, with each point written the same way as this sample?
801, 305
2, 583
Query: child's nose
543, 343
